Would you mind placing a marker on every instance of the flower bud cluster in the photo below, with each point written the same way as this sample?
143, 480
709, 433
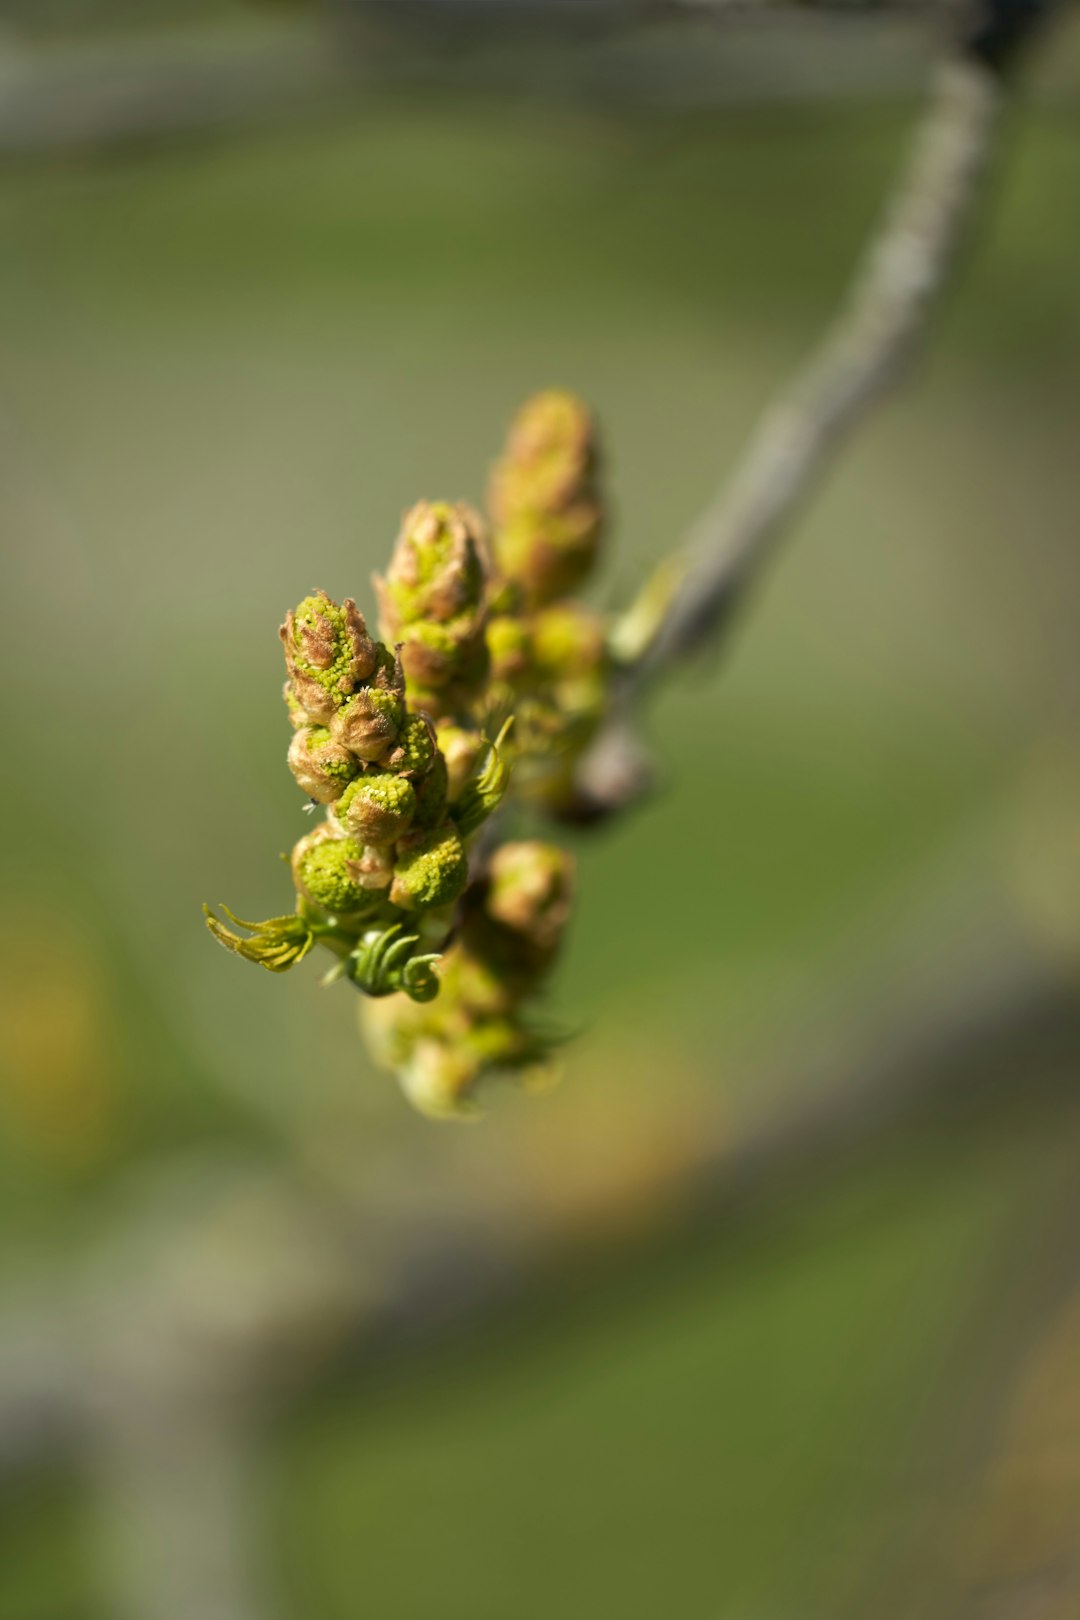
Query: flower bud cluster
548, 652
433, 604
484, 663
390, 839
544, 498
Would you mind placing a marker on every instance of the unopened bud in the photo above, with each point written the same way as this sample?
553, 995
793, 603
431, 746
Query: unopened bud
550, 454
510, 649
322, 767
530, 890
369, 723
431, 869
433, 599
328, 652
324, 869
377, 808
544, 497
550, 556
439, 568
438, 656
416, 747
568, 642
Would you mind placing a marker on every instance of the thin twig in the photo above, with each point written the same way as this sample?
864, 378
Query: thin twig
906, 266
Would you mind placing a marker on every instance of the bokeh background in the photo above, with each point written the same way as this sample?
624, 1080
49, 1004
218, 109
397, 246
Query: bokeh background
772, 1310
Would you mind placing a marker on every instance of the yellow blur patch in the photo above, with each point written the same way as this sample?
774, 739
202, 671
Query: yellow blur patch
57, 1065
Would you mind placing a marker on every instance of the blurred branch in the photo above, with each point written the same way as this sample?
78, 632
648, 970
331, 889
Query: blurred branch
96, 95
616, 13
905, 269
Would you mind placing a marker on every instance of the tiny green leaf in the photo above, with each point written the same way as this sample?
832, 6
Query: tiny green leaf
275, 944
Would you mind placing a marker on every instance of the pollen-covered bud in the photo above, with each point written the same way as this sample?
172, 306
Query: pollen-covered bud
439, 568
369, 722
544, 497
325, 871
433, 599
328, 652
431, 869
378, 807
439, 658
322, 767
530, 891
416, 747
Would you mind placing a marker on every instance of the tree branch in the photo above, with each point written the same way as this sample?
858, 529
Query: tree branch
905, 268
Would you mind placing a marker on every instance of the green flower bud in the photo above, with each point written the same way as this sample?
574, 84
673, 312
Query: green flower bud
439, 569
325, 870
416, 747
431, 869
530, 890
322, 767
369, 723
328, 652
509, 643
378, 807
551, 454
568, 642
549, 555
433, 599
544, 498
436, 657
